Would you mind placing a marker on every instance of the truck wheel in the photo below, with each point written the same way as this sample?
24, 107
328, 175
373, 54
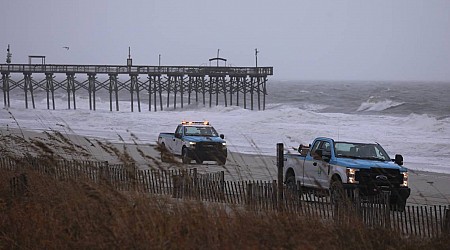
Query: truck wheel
337, 193
222, 162
291, 185
185, 157
164, 154
198, 161
398, 204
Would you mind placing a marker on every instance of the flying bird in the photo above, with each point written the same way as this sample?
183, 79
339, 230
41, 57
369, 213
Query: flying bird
65, 47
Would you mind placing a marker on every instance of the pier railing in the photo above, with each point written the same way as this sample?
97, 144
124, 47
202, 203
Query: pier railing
225, 85
123, 69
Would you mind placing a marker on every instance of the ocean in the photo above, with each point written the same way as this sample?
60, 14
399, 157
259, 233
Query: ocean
408, 118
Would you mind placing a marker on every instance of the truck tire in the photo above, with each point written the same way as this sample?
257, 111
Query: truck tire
198, 161
291, 184
185, 156
164, 153
398, 204
222, 162
337, 193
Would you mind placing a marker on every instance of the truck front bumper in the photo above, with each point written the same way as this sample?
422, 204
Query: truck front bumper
397, 194
210, 154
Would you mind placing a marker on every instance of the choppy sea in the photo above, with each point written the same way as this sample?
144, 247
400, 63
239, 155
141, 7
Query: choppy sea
409, 118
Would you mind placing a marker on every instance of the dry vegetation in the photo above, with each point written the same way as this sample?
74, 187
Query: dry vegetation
53, 214
60, 215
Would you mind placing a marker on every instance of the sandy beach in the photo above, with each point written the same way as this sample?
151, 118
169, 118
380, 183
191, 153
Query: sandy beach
427, 188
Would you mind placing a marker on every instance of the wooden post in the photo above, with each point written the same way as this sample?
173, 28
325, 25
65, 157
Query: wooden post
217, 90
49, 87
249, 195
189, 90
224, 86
131, 91
204, 90
71, 89
245, 93
110, 90
175, 90
210, 90
160, 94
5, 79
30, 82
154, 93
25, 89
91, 90
149, 93
168, 90
196, 90
231, 91
238, 82
258, 89
182, 91
116, 92
280, 165
446, 222
222, 185
195, 189
252, 87
264, 94
136, 86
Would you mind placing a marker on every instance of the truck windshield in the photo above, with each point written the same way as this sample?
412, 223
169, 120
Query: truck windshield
360, 151
200, 131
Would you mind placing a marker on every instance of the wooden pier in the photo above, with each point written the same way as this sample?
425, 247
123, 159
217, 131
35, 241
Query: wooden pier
205, 85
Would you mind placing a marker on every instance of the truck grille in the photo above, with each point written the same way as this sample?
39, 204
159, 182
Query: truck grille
379, 177
208, 146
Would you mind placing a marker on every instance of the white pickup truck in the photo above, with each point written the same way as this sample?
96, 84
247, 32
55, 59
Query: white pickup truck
334, 165
197, 141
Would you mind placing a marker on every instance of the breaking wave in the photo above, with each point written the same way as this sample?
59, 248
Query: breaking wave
376, 105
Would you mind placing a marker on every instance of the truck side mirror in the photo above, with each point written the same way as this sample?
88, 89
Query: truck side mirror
300, 147
178, 135
398, 159
222, 136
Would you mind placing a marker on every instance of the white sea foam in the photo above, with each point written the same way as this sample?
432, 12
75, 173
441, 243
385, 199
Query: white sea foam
424, 141
376, 105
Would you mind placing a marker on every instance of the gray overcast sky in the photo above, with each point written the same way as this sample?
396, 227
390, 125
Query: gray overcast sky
303, 40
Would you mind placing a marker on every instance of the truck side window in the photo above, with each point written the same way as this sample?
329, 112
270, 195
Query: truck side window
314, 149
178, 131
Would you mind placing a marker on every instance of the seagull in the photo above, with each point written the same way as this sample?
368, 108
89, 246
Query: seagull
65, 47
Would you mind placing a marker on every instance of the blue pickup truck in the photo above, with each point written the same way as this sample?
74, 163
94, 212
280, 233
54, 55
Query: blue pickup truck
197, 141
335, 165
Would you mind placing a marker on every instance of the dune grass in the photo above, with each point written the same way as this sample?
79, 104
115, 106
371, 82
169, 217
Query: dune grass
56, 214
66, 214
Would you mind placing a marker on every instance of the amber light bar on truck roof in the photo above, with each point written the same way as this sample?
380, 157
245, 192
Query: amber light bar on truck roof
195, 123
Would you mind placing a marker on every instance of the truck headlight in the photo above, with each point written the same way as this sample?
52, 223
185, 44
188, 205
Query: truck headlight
192, 144
405, 179
351, 175
224, 144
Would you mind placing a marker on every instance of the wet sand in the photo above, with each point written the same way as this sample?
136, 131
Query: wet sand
428, 188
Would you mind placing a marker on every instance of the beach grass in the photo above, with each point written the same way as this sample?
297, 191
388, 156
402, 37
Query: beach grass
69, 214
56, 214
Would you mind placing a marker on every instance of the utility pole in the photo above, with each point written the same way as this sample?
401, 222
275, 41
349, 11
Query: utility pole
218, 51
129, 60
256, 57
159, 60
8, 55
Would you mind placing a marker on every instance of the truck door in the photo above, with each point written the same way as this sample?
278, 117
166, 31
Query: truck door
316, 168
176, 142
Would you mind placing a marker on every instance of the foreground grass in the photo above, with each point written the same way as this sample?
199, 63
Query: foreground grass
81, 215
